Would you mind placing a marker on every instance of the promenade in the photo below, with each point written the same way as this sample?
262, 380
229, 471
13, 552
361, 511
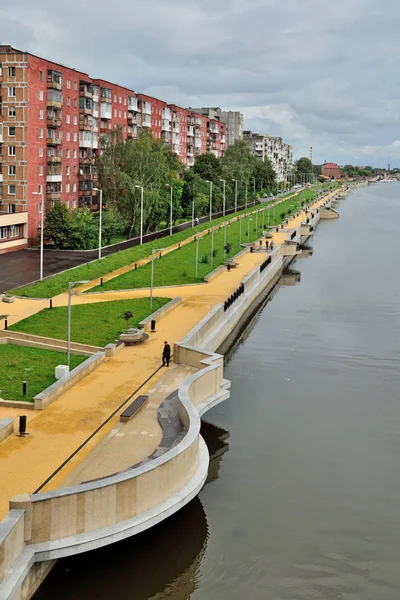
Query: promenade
59, 430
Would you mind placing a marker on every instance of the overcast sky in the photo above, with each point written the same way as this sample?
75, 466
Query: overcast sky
316, 72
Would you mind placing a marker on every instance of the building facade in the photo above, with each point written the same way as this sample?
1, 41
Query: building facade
232, 119
331, 170
51, 121
271, 148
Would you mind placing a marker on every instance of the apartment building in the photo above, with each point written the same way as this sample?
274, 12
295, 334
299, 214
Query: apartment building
232, 119
51, 121
273, 149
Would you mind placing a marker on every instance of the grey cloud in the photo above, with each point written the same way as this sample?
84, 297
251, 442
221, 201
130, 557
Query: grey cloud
316, 73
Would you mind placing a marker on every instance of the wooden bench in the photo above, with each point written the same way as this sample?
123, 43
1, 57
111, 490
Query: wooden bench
231, 263
133, 408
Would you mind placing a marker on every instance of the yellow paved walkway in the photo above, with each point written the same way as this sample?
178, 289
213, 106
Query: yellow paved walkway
56, 432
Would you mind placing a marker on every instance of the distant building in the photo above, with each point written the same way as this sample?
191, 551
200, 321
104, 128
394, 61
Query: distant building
271, 148
331, 170
232, 119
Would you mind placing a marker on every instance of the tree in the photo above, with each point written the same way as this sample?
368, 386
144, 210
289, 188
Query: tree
264, 174
237, 163
112, 225
83, 231
57, 225
207, 166
304, 165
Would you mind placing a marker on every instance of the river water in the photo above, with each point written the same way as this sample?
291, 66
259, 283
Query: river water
303, 500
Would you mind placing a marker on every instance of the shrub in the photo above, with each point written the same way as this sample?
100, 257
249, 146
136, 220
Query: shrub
204, 259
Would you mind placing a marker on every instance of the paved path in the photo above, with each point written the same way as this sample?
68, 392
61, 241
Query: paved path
58, 431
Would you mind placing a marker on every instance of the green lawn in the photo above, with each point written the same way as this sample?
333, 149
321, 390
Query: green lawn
95, 324
179, 267
59, 283
36, 366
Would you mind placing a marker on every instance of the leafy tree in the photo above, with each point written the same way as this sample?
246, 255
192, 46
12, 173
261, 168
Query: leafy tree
112, 225
57, 225
207, 166
264, 174
304, 165
83, 232
237, 163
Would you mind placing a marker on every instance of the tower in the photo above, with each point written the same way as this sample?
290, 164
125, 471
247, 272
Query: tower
311, 154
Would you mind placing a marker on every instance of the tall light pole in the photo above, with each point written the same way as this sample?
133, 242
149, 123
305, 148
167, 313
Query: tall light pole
41, 231
100, 215
224, 196
212, 246
141, 188
70, 285
240, 230
197, 255
152, 273
236, 194
210, 182
170, 209
246, 195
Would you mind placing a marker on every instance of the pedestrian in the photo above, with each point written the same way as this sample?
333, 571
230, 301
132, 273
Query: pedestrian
271, 245
266, 245
166, 355
197, 221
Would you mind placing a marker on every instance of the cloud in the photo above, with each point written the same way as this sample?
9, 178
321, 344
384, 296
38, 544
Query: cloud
320, 74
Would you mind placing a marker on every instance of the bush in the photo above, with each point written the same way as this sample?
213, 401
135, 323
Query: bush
204, 259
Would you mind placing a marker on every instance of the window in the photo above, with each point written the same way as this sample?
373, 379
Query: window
67, 204
41, 114
67, 153
11, 190
40, 94
67, 188
11, 209
40, 188
40, 171
120, 114
120, 99
12, 170
67, 171
41, 151
75, 120
14, 230
40, 75
75, 103
74, 201
11, 112
68, 119
124, 115
11, 71
11, 92
74, 153
74, 170
74, 188
40, 133
68, 101
115, 98
3, 233
40, 208
11, 131
75, 86
68, 84
75, 137
68, 138
115, 112
12, 151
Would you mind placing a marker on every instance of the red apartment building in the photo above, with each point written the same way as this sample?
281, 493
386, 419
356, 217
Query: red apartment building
331, 170
51, 120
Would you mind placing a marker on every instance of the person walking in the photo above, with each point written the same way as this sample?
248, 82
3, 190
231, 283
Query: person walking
266, 245
271, 245
166, 355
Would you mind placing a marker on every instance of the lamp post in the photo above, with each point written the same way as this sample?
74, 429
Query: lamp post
152, 273
236, 194
246, 195
248, 229
41, 231
210, 182
141, 188
197, 255
224, 196
170, 208
70, 285
100, 215
212, 246
240, 230
193, 213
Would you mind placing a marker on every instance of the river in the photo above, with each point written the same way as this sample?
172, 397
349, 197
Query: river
304, 494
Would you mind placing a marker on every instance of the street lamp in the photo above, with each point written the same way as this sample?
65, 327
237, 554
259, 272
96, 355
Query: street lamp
100, 215
210, 182
236, 182
152, 273
41, 232
246, 195
140, 187
224, 195
170, 212
70, 285
197, 255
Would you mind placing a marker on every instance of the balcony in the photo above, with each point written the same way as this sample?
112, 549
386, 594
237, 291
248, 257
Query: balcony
85, 106
132, 104
175, 148
197, 143
54, 99
53, 121
146, 121
54, 80
54, 178
86, 90
146, 108
106, 96
105, 111
198, 123
53, 159
85, 193
175, 128
85, 139
53, 141
166, 114
52, 196
1, 134
84, 125
190, 131
166, 125
132, 120
86, 176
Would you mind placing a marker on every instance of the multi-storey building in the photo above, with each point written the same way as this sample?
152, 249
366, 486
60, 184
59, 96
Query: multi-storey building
51, 121
273, 149
331, 170
232, 119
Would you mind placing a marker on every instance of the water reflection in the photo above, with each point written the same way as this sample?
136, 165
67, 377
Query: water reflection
159, 563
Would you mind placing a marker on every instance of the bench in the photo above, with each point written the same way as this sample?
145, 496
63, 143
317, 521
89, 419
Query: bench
133, 408
231, 264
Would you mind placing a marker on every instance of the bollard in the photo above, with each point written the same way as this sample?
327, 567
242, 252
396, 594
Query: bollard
6, 323
51, 303
179, 246
22, 425
135, 266
24, 387
101, 281
153, 325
